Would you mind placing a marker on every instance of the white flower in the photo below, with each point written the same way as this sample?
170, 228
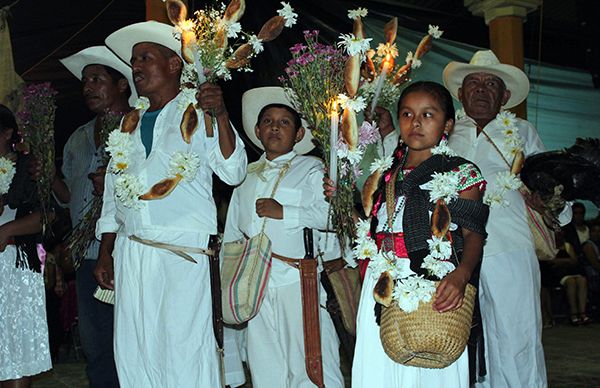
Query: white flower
355, 104
382, 164
357, 13
409, 292
435, 32
256, 44
128, 189
385, 48
507, 181
401, 268
188, 96
414, 61
184, 164
354, 156
439, 248
142, 103
366, 249
119, 147
436, 267
288, 14
362, 229
223, 72
506, 119
443, 186
7, 173
233, 30
443, 149
495, 198
354, 45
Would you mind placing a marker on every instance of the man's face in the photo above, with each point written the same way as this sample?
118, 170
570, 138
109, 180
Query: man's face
482, 95
151, 68
100, 91
578, 216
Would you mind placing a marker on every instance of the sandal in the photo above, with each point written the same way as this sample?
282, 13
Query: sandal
585, 320
575, 321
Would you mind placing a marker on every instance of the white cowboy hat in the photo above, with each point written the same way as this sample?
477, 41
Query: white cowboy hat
485, 61
123, 40
99, 55
254, 100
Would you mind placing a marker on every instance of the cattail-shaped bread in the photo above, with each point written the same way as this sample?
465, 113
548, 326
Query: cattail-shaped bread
382, 292
161, 189
350, 128
189, 123
440, 219
130, 121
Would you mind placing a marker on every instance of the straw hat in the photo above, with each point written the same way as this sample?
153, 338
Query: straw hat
123, 40
254, 100
485, 61
99, 55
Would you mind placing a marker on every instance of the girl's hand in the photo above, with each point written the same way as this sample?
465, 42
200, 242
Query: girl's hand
451, 291
328, 187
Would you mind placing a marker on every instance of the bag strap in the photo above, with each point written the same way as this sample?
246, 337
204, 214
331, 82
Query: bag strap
282, 172
495, 147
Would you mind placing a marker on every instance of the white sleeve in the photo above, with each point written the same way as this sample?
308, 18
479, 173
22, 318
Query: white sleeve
107, 223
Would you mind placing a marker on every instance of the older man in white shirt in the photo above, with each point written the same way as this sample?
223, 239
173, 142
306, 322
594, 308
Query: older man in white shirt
163, 315
509, 291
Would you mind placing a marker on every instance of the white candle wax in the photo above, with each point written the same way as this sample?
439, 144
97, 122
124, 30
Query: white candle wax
333, 143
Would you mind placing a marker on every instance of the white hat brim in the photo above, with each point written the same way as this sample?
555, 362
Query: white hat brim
515, 79
254, 100
123, 40
99, 55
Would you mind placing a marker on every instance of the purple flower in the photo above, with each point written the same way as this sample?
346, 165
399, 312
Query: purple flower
368, 133
310, 34
297, 48
305, 59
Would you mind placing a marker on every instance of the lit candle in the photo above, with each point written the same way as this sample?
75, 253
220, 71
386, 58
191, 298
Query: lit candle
333, 142
388, 63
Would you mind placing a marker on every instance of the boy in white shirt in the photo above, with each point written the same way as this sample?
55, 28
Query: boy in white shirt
275, 341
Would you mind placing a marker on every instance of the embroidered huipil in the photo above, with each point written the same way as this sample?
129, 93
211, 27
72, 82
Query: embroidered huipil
188, 214
300, 192
506, 224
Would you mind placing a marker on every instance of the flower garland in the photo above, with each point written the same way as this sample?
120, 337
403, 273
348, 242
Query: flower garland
7, 173
513, 145
128, 187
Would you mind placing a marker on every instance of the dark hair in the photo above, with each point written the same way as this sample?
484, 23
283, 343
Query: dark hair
439, 92
292, 111
578, 205
7, 120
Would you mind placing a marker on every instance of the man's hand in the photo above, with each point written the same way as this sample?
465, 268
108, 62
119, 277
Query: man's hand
328, 187
97, 178
451, 291
210, 99
268, 207
104, 272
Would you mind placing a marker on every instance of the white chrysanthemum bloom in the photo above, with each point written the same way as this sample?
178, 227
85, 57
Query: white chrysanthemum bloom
355, 104
7, 173
495, 199
288, 14
142, 103
443, 149
184, 164
443, 186
508, 181
387, 49
409, 292
365, 250
354, 45
355, 156
382, 164
436, 267
379, 264
362, 229
128, 189
506, 119
256, 44
357, 13
413, 60
439, 248
401, 268
188, 96
233, 29
435, 31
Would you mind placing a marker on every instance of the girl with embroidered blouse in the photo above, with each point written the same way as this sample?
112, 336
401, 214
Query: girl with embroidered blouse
397, 242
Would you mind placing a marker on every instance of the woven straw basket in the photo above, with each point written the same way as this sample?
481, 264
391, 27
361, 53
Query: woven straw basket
426, 338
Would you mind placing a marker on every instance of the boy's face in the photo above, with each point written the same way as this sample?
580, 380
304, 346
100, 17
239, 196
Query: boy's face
277, 132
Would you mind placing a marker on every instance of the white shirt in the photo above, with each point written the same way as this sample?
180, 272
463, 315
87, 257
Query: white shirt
81, 157
188, 215
300, 193
507, 226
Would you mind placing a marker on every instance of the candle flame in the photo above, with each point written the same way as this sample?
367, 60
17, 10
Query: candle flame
334, 107
388, 62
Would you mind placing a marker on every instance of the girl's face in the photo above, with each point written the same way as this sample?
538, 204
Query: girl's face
422, 121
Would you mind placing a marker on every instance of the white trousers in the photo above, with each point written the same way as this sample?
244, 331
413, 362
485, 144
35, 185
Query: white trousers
509, 295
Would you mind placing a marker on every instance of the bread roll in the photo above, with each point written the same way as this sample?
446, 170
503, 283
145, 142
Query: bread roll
440, 219
352, 75
350, 128
368, 190
390, 29
382, 292
189, 123
517, 164
130, 121
177, 11
271, 29
161, 189
234, 11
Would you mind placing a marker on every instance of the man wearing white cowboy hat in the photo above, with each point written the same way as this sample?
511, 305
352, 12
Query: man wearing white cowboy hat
275, 340
509, 292
107, 85
158, 214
